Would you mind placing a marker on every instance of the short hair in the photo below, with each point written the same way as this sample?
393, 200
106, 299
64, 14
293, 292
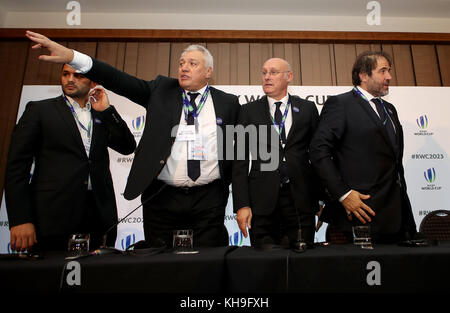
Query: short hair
209, 62
366, 62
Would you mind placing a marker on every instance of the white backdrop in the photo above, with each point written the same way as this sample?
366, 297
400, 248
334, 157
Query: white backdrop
423, 112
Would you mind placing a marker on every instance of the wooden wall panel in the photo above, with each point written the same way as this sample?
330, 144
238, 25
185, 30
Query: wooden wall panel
13, 58
444, 63
131, 58
221, 53
240, 64
153, 59
344, 57
425, 65
112, 53
317, 65
404, 69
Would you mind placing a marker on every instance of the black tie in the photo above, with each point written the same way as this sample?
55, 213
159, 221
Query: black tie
386, 121
278, 118
193, 166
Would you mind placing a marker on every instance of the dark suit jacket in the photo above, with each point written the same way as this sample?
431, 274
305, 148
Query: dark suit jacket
54, 198
163, 100
351, 150
259, 188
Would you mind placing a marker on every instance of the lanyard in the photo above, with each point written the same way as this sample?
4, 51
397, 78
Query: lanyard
187, 106
381, 100
89, 129
279, 128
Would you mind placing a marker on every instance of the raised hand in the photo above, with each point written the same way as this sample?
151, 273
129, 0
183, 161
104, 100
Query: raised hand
58, 53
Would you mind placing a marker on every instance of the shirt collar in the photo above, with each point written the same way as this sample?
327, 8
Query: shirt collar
77, 107
200, 91
366, 94
272, 101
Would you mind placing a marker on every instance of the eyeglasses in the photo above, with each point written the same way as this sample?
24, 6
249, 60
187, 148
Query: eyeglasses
272, 73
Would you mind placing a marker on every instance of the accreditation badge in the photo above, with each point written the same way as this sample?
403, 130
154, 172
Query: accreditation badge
185, 133
197, 149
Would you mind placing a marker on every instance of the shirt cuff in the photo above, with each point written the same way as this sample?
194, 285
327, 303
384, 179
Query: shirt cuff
81, 62
344, 196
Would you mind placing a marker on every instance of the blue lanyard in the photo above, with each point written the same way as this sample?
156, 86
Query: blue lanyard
89, 129
187, 106
279, 128
381, 100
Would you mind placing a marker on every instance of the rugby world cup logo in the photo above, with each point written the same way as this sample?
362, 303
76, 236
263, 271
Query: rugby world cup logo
138, 123
430, 175
128, 241
422, 122
236, 239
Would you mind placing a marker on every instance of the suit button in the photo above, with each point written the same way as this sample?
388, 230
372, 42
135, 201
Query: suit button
161, 162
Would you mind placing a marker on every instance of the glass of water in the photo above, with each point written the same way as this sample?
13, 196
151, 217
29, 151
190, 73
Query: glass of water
183, 241
78, 245
362, 237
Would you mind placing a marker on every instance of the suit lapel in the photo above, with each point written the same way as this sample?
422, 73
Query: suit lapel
219, 109
96, 122
69, 120
175, 101
265, 118
375, 118
296, 111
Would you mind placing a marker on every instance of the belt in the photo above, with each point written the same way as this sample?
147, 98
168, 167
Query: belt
193, 189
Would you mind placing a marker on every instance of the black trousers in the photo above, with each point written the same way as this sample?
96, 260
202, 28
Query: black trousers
201, 209
91, 224
283, 223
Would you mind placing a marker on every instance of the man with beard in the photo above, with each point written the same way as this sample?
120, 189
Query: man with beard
357, 152
71, 189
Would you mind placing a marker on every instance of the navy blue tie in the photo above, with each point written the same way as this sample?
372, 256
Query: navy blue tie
283, 167
386, 121
193, 166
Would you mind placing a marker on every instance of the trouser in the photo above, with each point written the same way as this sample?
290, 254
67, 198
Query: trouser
91, 224
200, 208
283, 223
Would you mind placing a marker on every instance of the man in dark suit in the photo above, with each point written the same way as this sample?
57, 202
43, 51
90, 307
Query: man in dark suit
357, 152
274, 203
71, 189
178, 166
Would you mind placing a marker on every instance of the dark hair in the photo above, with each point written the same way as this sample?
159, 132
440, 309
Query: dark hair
366, 62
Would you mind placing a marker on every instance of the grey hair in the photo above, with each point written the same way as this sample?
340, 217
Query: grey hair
209, 62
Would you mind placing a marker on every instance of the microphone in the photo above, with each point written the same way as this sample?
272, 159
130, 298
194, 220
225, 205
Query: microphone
299, 245
107, 250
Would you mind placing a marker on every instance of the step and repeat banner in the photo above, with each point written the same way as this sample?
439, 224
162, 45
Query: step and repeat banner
424, 113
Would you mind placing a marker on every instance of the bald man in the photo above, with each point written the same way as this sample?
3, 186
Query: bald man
274, 204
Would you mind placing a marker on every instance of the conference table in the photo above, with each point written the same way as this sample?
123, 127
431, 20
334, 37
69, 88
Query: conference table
238, 270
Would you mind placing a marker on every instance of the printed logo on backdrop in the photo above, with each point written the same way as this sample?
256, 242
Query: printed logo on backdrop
138, 125
427, 156
125, 159
430, 176
236, 239
423, 123
423, 213
127, 239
